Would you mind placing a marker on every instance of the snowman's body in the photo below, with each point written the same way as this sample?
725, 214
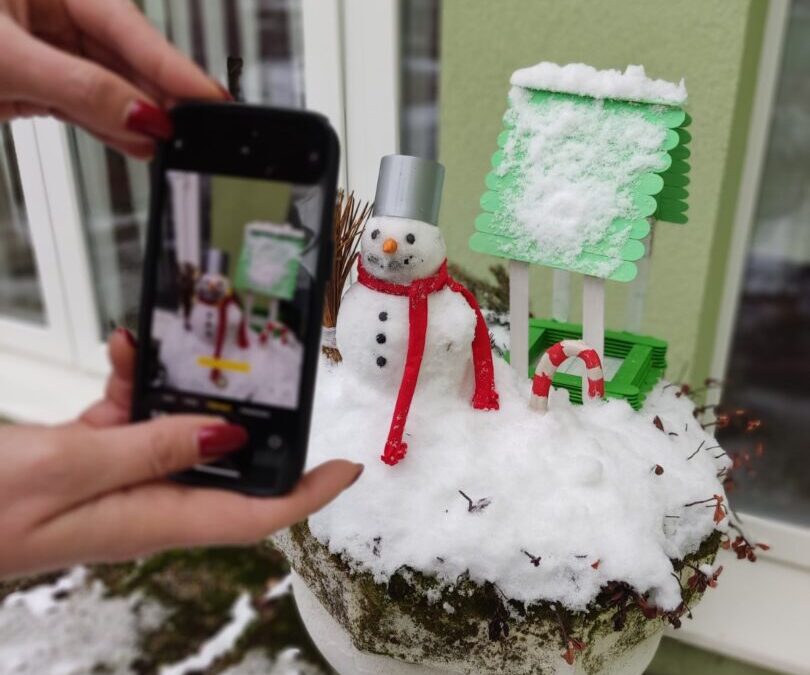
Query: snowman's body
373, 327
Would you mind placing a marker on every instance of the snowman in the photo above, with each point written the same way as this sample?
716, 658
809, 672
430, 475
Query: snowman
406, 320
214, 332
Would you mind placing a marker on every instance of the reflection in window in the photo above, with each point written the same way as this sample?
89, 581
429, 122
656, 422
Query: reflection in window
769, 368
419, 116
20, 293
114, 190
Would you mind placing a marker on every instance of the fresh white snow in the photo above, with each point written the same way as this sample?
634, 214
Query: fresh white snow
575, 486
579, 78
575, 165
71, 628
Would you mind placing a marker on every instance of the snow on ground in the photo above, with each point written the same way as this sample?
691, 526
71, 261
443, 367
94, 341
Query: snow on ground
574, 487
242, 613
70, 628
579, 78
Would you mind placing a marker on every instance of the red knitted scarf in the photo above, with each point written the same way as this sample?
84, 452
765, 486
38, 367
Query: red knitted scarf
484, 398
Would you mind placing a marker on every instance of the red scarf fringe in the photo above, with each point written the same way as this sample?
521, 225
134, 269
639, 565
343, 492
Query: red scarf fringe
485, 396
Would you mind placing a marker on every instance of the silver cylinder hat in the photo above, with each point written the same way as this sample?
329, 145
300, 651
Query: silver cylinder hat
216, 262
409, 187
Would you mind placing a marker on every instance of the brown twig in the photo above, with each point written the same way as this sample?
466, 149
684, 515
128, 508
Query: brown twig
350, 218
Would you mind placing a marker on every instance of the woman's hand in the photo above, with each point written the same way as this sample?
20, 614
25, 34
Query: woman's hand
96, 63
95, 490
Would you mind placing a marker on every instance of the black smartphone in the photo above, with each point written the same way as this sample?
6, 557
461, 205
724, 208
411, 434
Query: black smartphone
239, 248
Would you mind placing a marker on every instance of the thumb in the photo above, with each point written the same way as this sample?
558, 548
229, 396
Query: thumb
148, 451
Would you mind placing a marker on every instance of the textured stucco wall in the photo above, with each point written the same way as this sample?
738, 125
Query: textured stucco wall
714, 44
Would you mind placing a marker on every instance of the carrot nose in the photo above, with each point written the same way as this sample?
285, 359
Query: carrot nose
390, 246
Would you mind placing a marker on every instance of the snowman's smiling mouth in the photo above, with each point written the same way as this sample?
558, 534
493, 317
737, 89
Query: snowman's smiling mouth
392, 264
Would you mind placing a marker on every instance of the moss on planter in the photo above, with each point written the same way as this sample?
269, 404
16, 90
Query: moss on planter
471, 625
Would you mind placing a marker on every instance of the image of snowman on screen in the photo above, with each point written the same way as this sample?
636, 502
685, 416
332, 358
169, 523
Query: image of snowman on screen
231, 330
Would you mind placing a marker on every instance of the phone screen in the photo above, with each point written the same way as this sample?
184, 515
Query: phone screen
235, 270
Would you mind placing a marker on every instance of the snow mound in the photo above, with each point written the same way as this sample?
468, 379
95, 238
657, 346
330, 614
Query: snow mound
584, 80
554, 506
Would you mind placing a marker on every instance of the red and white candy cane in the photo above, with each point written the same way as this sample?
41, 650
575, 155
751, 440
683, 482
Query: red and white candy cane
553, 359
272, 327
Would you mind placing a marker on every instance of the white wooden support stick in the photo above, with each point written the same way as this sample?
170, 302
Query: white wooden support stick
519, 317
561, 295
593, 320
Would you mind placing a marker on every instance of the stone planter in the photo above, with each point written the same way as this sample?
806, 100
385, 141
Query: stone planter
410, 626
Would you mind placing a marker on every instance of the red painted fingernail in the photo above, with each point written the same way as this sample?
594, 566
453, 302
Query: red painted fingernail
148, 119
220, 439
127, 335
360, 468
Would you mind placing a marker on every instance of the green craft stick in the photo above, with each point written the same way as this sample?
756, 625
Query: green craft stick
679, 166
672, 205
672, 179
491, 201
639, 228
673, 192
505, 247
674, 217
681, 152
649, 184
672, 139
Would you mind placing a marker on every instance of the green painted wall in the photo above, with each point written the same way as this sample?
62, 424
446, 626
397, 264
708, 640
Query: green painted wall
714, 44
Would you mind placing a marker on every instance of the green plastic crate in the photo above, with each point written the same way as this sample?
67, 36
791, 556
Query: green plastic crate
644, 360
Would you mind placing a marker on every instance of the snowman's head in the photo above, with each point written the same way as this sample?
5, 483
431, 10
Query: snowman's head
400, 249
212, 288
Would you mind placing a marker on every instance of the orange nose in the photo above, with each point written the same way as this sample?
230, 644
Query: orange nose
390, 246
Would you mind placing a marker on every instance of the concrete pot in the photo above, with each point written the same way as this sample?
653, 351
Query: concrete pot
334, 643
363, 627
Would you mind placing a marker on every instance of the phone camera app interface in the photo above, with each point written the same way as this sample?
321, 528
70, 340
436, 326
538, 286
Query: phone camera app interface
236, 267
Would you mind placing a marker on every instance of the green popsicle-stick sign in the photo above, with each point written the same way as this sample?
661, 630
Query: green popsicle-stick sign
576, 180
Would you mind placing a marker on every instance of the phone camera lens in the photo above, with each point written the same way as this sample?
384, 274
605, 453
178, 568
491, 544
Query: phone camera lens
244, 150
314, 157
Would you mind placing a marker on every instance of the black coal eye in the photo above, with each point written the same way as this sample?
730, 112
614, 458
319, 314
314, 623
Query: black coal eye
375, 234
410, 239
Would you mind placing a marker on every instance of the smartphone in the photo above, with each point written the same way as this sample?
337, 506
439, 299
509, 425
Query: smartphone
239, 248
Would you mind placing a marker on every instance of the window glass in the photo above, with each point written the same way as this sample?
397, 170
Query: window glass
769, 368
20, 293
114, 190
419, 78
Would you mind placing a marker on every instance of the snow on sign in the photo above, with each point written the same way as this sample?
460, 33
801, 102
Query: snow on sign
269, 261
586, 159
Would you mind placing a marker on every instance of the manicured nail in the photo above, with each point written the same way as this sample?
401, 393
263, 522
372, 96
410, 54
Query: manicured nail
220, 439
148, 119
127, 335
360, 468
